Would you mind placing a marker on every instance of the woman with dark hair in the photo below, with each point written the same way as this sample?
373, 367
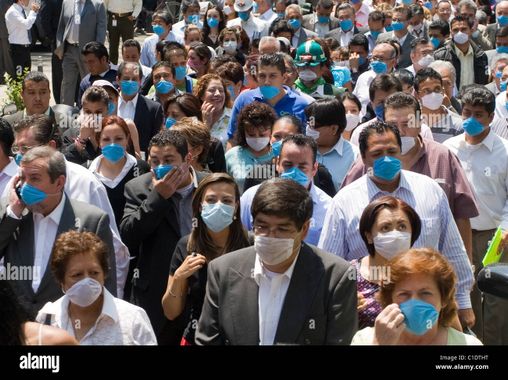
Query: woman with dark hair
214, 23
116, 165
217, 230
198, 139
229, 45
389, 227
252, 157
16, 328
418, 304
353, 109
199, 59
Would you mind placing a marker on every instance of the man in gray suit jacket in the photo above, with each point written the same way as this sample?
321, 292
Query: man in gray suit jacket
37, 213
295, 21
81, 21
281, 291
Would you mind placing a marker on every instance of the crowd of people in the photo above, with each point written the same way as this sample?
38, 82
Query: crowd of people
259, 172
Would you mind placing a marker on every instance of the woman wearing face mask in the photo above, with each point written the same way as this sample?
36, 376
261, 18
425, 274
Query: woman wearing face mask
213, 25
252, 157
389, 227
87, 310
116, 165
199, 59
229, 43
187, 105
229, 10
418, 304
217, 231
216, 107
353, 108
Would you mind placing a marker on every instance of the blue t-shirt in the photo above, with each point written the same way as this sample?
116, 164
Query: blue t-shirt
291, 104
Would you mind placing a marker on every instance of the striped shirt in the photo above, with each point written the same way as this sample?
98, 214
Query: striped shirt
341, 236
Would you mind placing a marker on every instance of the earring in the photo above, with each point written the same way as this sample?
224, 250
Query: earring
234, 217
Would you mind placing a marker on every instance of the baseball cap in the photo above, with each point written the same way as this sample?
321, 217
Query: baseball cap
105, 83
243, 5
311, 53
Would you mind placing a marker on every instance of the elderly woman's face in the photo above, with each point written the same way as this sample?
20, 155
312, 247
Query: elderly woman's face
418, 286
214, 94
82, 266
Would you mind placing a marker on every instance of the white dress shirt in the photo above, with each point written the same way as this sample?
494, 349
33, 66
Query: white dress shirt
18, 26
362, 16
124, 6
112, 183
5, 176
273, 288
341, 236
73, 36
269, 16
486, 168
45, 229
178, 29
361, 90
345, 37
127, 109
120, 323
148, 57
254, 27
296, 38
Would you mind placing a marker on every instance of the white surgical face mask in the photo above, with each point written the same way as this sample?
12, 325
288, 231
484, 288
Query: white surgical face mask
352, 121
227, 10
460, 38
85, 292
426, 61
407, 144
230, 46
257, 144
311, 132
273, 251
307, 75
433, 101
391, 244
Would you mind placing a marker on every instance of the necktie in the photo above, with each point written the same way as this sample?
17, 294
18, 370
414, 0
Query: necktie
28, 31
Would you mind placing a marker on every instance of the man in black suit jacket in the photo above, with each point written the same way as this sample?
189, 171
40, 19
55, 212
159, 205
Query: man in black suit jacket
146, 114
281, 291
158, 212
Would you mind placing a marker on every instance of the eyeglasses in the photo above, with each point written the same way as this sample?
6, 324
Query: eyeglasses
277, 232
23, 148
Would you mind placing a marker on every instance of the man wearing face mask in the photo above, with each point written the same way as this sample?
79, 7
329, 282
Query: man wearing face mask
417, 25
484, 158
297, 161
427, 157
38, 211
190, 13
311, 62
470, 61
284, 275
253, 26
146, 114
347, 23
294, 17
380, 148
321, 21
163, 75
421, 55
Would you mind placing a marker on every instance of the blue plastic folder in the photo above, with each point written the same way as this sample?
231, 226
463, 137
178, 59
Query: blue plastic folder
494, 254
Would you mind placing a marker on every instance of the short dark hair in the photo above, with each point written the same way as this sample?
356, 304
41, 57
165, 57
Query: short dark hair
164, 16
301, 140
163, 64
276, 60
405, 76
406, 11
124, 65
256, 114
6, 137
352, 97
202, 51
132, 43
424, 74
281, 26
325, 4
384, 82
417, 42
34, 76
379, 127
170, 47
170, 137
327, 111
95, 48
480, 96
283, 198
232, 71
376, 16
360, 40
189, 104
186, 4
416, 10
402, 100
443, 26
371, 212
42, 128
459, 18
297, 122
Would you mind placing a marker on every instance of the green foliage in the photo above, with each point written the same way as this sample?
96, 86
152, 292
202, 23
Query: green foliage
13, 92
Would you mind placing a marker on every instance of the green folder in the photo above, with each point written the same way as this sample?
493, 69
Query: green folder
494, 254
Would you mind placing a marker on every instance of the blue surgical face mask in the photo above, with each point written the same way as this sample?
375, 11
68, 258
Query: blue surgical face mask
18, 158
296, 175
269, 92
375, 34
193, 19
129, 87
389, 28
157, 29
31, 195
435, 42
420, 316
386, 168
170, 122
380, 111
212, 22
161, 170
295, 23
499, 74
502, 49
502, 86
164, 86
346, 25
362, 61
323, 19
244, 16
217, 216
407, 2
180, 72
111, 108
506, 106
428, 5
276, 147
397, 25
281, 15
472, 127
113, 152
379, 67
502, 20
